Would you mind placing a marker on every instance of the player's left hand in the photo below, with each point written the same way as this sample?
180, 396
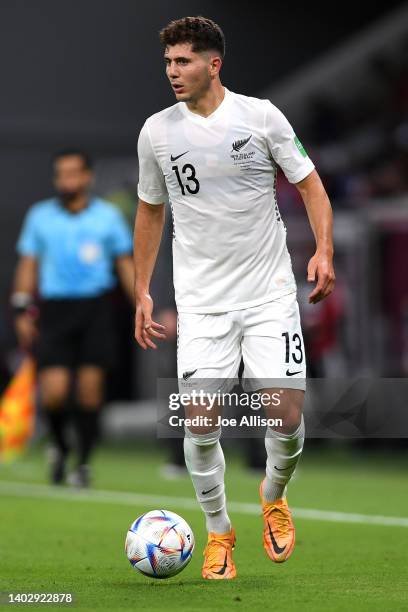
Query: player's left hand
320, 269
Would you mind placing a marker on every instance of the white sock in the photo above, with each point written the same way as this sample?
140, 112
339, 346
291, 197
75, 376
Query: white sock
283, 453
206, 465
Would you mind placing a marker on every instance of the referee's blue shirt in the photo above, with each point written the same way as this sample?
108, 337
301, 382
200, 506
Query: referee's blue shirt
75, 251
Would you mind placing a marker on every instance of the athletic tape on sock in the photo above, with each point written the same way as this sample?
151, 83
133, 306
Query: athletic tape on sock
206, 465
283, 453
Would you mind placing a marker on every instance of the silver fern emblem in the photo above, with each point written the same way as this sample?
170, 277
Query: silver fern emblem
240, 144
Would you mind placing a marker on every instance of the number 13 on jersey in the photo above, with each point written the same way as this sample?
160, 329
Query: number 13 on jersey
188, 179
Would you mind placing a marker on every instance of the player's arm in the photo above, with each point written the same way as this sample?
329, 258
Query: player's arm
289, 153
319, 211
22, 300
149, 224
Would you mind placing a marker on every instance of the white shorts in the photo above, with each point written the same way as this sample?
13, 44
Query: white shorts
267, 337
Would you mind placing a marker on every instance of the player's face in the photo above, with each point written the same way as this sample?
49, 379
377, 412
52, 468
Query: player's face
71, 177
189, 72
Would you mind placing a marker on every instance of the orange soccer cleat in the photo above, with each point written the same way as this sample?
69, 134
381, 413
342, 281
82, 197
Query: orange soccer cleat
218, 563
279, 531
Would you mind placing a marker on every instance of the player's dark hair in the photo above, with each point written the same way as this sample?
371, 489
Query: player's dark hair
201, 32
86, 158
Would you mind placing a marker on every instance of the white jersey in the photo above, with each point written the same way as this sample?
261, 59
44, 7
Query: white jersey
219, 174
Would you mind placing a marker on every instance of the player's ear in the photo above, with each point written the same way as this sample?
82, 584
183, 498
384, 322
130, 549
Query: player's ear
215, 65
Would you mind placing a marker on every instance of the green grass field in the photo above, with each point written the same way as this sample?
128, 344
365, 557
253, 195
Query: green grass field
58, 540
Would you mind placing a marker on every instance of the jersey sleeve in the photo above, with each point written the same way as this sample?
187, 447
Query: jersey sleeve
151, 187
121, 237
28, 242
285, 147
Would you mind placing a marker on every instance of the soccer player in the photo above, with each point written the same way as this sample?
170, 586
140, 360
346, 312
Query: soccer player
215, 153
68, 248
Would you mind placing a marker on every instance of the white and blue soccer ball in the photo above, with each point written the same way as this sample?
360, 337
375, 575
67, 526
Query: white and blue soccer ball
159, 544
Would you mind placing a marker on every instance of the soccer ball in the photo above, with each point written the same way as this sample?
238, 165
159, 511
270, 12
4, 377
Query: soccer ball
159, 544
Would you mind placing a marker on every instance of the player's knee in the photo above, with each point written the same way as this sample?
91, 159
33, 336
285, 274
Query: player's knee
53, 398
201, 438
54, 388
203, 428
89, 396
90, 401
291, 418
291, 423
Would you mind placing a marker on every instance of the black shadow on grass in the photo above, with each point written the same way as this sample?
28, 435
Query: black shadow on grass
260, 581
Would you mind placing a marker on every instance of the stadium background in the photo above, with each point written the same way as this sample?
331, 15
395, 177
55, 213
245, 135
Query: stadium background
88, 74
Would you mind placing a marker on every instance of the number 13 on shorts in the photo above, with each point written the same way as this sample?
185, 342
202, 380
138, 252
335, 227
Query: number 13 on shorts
293, 352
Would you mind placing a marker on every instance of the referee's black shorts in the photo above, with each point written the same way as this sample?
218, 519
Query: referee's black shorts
76, 332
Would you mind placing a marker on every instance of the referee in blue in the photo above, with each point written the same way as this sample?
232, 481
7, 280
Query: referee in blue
69, 249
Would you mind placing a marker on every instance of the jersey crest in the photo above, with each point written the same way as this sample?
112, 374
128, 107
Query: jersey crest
240, 144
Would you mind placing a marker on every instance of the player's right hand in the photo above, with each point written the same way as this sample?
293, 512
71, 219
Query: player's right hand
26, 330
145, 327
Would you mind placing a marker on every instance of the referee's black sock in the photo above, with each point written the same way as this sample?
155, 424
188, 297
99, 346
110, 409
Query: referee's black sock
87, 421
57, 419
